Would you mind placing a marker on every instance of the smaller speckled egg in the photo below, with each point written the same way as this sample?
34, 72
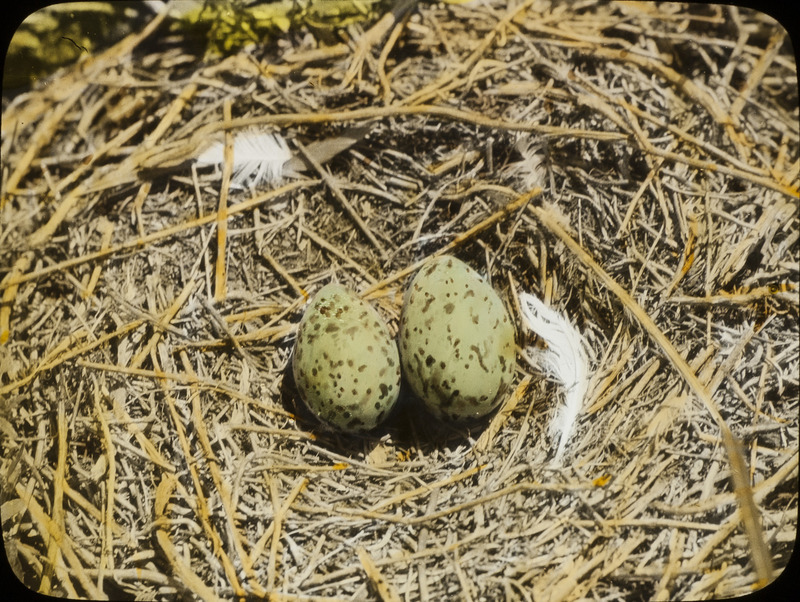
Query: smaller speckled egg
456, 340
346, 364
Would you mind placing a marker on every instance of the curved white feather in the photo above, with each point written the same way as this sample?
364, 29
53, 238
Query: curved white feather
565, 359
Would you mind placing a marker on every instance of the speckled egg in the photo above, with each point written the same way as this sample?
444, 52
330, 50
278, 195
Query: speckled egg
456, 340
346, 365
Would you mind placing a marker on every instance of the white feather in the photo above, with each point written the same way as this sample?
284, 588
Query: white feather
258, 158
565, 359
531, 171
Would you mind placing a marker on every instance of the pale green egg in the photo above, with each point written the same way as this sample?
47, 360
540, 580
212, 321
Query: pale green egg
456, 340
346, 364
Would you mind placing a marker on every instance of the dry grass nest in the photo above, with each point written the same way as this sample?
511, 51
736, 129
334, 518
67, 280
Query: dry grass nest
634, 165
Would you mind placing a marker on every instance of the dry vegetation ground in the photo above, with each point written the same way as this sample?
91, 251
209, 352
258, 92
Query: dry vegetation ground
635, 165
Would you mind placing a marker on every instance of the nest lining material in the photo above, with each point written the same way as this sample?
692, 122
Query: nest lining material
635, 169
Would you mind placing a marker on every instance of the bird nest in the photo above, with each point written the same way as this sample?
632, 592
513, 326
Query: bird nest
633, 165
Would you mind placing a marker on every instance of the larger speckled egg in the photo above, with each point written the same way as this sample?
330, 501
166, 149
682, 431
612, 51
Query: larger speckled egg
456, 340
345, 365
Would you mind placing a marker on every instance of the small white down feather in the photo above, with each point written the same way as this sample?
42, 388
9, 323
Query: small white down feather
258, 158
565, 359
